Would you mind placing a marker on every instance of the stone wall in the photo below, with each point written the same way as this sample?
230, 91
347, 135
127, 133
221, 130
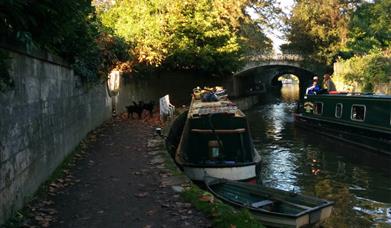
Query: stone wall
178, 85
42, 120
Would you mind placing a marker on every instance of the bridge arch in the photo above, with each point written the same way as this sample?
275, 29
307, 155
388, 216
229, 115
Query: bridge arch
258, 79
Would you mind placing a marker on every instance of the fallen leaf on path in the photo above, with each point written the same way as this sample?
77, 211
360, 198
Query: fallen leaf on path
207, 198
142, 195
54, 185
150, 212
165, 205
38, 218
47, 202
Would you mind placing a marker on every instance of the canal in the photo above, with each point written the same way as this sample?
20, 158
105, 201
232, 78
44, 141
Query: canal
358, 181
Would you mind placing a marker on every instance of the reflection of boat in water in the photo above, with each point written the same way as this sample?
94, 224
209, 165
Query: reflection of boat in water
364, 120
272, 206
216, 140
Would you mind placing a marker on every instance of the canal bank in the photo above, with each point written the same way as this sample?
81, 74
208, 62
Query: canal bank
122, 176
116, 179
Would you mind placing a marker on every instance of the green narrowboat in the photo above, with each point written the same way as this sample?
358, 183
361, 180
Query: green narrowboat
216, 140
363, 120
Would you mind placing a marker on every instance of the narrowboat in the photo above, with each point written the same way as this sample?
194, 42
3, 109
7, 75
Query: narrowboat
174, 135
216, 140
362, 120
272, 207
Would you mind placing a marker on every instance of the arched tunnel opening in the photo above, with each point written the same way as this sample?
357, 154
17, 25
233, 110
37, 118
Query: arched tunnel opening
289, 87
263, 79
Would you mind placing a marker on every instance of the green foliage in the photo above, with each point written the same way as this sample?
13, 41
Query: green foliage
203, 35
222, 215
369, 27
324, 30
185, 35
319, 28
367, 71
66, 28
205, 40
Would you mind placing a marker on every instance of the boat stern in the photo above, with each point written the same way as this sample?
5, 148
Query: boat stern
231, 173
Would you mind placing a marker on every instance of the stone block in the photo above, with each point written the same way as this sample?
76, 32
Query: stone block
7, 174
32, 88
22, 161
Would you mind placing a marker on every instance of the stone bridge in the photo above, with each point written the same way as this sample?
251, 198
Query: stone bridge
262, 72
275, 59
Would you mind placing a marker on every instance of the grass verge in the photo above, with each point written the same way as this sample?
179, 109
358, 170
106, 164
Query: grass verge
222, 215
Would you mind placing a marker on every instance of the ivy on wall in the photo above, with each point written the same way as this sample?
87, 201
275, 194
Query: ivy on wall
68, 29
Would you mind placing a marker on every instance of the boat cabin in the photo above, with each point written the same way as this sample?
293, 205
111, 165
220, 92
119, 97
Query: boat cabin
363, 111
216, 140
363, 120
216, 133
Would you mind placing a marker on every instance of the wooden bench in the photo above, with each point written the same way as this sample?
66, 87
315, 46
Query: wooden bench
261, 203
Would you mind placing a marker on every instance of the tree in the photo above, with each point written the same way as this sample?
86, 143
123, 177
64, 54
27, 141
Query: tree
367, 71
369, 28
206, 38
69, 29
319, 28
188, 35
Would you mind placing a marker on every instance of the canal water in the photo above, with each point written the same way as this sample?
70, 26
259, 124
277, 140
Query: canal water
294, 159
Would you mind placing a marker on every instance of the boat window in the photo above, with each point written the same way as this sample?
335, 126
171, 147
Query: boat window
338, 110
318, 108
358, 112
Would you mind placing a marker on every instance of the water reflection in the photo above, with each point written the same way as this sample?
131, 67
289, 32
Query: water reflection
298, 160
290, 92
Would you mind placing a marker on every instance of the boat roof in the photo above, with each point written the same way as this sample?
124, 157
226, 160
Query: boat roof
354, 95
200, 108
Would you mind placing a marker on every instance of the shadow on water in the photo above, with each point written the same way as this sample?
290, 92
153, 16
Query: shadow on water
359, 181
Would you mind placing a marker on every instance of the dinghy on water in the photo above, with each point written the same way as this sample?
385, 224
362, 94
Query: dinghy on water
216, 139
271, 206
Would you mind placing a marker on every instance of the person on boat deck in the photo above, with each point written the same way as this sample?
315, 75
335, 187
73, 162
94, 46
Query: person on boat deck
328, 83
315, 88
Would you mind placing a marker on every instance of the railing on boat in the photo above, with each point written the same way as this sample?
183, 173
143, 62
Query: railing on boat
219, 131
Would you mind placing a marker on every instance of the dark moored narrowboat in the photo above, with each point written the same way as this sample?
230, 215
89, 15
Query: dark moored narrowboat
216, 141
272, 206
364, 120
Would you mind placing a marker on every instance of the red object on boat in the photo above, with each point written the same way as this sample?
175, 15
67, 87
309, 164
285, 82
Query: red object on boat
252, 181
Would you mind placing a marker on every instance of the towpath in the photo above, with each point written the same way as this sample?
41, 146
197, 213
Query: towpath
117, 181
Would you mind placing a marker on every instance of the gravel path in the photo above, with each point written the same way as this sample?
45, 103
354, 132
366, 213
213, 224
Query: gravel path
120, 181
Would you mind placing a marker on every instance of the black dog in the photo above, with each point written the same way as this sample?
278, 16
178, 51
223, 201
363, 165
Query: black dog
149, 108
135, 108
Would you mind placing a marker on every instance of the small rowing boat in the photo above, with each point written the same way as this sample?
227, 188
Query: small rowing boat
273, 207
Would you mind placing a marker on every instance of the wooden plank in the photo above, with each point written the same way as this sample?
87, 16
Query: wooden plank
261, 203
